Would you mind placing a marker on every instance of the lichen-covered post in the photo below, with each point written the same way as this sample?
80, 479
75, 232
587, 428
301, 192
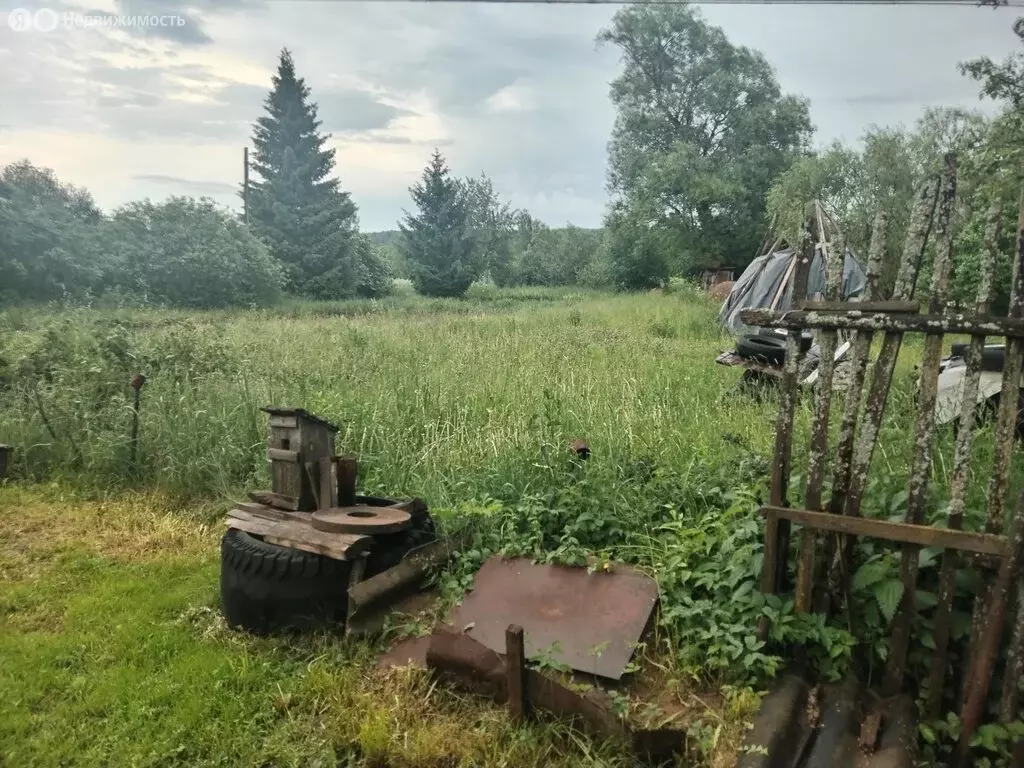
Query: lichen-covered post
776, 531
859, 352
833, 256
961, 467
864, 443
927, 393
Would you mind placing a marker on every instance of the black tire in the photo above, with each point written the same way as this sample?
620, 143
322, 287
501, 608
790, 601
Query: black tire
763, 349
993, 358
266, 588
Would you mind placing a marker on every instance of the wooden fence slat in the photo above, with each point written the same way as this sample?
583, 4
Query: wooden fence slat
927, 394
961, 470
918, 232
860, 350
834, 255
776, 545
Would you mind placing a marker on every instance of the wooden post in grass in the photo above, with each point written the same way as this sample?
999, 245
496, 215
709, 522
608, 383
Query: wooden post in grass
137, 381
515, 668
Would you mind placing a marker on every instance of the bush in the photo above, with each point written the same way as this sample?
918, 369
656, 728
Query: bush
190, 253
48, 243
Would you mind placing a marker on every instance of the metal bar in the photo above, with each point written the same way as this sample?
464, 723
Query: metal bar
980, 672
861, 349
904, 533
515, 668
819, 425
927, 394
961, 469
855, 320
776, 532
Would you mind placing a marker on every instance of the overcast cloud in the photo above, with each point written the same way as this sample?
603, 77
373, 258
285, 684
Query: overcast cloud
519, 92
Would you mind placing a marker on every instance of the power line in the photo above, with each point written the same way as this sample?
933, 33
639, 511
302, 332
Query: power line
932, 3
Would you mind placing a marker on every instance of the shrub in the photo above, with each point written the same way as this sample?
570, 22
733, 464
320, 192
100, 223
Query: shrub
190, 253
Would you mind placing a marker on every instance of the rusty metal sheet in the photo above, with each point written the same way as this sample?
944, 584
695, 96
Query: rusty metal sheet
410, 652
588, 621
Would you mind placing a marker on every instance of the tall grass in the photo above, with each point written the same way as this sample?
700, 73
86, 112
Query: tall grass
441, 403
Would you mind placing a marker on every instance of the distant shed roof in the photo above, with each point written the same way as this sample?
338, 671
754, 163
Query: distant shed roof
274, 411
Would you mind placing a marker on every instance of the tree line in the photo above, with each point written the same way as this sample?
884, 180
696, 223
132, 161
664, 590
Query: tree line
706, 153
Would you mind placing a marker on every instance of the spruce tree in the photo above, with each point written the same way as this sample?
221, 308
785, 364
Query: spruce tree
438, 242
295, 205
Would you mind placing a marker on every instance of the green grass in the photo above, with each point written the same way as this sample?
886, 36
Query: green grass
111, 646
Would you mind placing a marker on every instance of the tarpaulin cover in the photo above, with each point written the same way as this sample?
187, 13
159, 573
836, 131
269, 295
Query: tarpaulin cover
760, 281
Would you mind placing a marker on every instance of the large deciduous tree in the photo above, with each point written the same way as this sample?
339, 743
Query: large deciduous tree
295, 205
702, 131
439, 243
493, 223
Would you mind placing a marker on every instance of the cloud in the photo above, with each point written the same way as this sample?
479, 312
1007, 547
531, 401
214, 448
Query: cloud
519, 92
188, 186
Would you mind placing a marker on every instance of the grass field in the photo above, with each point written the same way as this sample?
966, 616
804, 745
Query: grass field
111, 646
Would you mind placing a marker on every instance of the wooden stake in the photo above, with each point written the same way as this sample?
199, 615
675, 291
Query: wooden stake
515, 666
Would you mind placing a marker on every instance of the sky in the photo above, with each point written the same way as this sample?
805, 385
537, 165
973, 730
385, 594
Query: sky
519, 92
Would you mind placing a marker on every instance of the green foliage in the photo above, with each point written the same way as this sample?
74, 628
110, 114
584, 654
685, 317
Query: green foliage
49, 237
440, 244
702, 131
189, 253
493, 225
297, 207
637, 256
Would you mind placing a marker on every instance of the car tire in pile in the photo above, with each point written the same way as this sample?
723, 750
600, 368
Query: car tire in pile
765, 349
266, 588
993, 358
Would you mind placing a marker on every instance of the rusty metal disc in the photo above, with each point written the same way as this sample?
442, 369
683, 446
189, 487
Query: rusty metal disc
361, 519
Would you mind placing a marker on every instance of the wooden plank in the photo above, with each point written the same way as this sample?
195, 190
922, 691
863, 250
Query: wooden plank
284, 422
298, 535
515, 669
856, 320
906, 307
274, 499
906, 533
927, 393
346, 468
328, 486
246, 511
280, 454
961, 470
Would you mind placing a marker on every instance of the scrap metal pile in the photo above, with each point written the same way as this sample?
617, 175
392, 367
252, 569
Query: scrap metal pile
311, 552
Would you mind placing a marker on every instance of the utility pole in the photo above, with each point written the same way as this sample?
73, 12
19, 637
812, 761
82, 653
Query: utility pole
245, 184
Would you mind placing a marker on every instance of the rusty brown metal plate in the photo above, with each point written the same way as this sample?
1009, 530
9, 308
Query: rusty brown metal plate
588, 621
361, 519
